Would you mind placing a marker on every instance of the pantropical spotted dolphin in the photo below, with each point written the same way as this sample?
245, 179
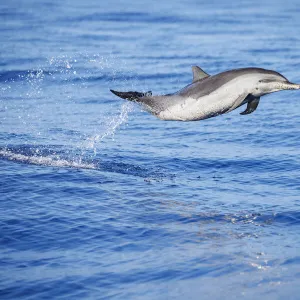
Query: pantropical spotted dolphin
209, 96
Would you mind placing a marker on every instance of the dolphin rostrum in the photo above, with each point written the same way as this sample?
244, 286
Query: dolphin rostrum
209, 96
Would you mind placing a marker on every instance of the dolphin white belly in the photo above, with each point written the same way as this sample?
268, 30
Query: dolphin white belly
192, 109
222, 100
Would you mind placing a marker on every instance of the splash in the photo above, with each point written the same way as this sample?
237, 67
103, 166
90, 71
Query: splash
48, 104
112, 125
50, 160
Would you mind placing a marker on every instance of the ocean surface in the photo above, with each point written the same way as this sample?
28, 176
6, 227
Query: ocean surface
101, 200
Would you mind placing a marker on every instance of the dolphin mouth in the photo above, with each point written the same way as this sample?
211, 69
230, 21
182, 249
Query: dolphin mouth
289, 86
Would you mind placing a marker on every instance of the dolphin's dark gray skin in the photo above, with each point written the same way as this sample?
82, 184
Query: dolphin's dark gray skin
208, 96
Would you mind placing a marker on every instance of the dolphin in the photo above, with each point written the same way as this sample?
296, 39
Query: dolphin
209, 96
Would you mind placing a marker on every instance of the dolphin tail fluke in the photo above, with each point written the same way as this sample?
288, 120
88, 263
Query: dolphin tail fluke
131, 96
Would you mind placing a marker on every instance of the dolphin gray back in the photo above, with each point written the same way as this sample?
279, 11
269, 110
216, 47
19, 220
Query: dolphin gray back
207, 85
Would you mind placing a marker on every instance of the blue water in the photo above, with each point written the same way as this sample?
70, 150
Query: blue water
101, 200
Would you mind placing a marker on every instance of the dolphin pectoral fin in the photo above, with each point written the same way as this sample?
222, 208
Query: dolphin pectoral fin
198, 73
238, 102
251, 106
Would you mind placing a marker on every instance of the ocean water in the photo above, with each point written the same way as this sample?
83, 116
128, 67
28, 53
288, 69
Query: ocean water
101, 200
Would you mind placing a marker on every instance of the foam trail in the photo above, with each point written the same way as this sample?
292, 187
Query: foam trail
112, 126
51, 160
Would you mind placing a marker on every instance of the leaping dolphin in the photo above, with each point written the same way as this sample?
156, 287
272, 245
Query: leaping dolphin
209, 96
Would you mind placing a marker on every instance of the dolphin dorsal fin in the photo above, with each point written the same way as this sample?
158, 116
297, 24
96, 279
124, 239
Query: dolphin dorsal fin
198, 73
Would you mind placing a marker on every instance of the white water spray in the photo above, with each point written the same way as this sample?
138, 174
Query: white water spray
48, 160
112, 125
57, 118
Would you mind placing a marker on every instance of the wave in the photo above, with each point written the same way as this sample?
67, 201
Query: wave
50, 160
137, 17
259, 219
73, 76
45, 156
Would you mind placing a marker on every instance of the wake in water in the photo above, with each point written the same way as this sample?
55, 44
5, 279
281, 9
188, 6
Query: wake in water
49, 160
57, 103
59, 116
46, 156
